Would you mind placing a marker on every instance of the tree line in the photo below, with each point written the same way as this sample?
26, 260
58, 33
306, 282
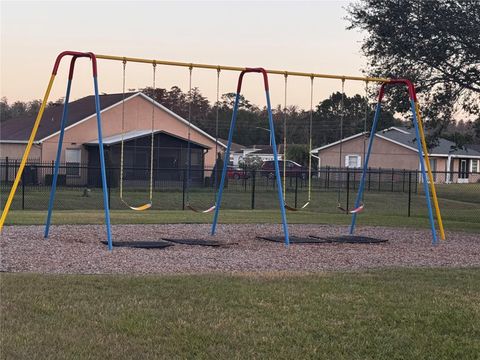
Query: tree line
330, 121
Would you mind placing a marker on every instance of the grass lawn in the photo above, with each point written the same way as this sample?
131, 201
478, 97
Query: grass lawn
460, 206
384, 314
28, 217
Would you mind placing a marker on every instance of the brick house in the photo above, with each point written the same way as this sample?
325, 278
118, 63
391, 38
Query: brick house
81, 143
396, 148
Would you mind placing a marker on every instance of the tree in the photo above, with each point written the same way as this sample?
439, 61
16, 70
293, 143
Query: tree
433, 43
5, 111
250, 162
18, 108
476, 128
327, 120
298, 153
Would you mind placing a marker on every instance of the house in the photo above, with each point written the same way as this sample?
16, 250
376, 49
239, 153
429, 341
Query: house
396, 148
236, 152
81, 141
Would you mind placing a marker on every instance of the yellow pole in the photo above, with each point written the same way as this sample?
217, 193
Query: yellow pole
429, 170
237, 68
26, 153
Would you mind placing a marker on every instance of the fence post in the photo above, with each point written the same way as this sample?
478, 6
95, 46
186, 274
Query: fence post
6, 170
403, 181
245, 179
327, 178
369, 177
379, 179
109, 175
416, 182
348, 190
409, 192
354, 177
184, 187
23, 190
393, 175
253, 189
296, 189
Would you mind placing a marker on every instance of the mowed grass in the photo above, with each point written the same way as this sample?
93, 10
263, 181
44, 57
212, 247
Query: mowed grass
387, 314
27, 217
459, 203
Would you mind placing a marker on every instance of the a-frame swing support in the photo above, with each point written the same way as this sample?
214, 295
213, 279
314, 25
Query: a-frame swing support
422, 153
274, 147
421, 143
74, 55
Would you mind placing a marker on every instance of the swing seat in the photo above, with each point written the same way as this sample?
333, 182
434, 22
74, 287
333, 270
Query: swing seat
358, 209
288, 207
137, 208
141, 207
210, 209
353, 211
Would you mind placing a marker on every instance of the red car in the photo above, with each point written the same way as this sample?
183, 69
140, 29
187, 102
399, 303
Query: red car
236, 173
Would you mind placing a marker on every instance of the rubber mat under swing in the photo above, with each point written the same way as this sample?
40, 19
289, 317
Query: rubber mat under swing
293, 239
349, 239
141, 244
197, 242
312, 239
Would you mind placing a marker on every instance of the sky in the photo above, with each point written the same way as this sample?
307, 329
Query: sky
290, 35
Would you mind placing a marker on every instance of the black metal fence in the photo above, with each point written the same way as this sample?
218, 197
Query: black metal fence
387, 191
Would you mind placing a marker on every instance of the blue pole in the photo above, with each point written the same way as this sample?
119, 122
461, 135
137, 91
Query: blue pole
424, 175
277, 170
365, 165
225, 163
57, 159
102, 165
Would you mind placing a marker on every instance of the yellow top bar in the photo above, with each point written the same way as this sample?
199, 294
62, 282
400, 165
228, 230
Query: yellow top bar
236, 68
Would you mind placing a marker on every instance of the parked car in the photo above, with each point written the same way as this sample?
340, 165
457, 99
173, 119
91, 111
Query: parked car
237, 173
293, 169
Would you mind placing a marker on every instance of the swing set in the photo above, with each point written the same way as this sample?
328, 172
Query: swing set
427, 177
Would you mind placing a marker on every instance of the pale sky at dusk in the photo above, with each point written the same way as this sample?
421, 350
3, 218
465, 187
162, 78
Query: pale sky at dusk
300, 36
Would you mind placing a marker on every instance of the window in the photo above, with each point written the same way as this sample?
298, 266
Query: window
353, 161
475, 166
72, 161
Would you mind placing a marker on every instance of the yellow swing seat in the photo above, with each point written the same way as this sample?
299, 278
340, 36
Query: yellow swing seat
138, 208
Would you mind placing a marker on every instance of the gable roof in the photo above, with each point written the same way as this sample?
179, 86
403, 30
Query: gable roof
266, 149
18, 130
405, 137
234, 148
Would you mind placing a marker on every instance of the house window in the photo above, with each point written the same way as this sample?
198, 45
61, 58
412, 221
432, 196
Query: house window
72, 161
353, 161
474, 166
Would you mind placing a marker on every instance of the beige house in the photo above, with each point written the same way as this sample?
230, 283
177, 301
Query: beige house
396, 148
80, 145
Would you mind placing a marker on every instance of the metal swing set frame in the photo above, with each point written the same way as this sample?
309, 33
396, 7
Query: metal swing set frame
427, 177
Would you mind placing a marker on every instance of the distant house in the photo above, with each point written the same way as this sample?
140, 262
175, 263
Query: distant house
264, 152
81, 141
396, 148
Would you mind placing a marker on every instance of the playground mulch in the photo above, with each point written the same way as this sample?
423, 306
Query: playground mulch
78, 249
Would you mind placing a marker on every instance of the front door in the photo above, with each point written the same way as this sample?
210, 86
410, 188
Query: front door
463, 171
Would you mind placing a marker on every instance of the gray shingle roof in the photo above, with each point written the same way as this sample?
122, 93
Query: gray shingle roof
19, 129
406, 137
